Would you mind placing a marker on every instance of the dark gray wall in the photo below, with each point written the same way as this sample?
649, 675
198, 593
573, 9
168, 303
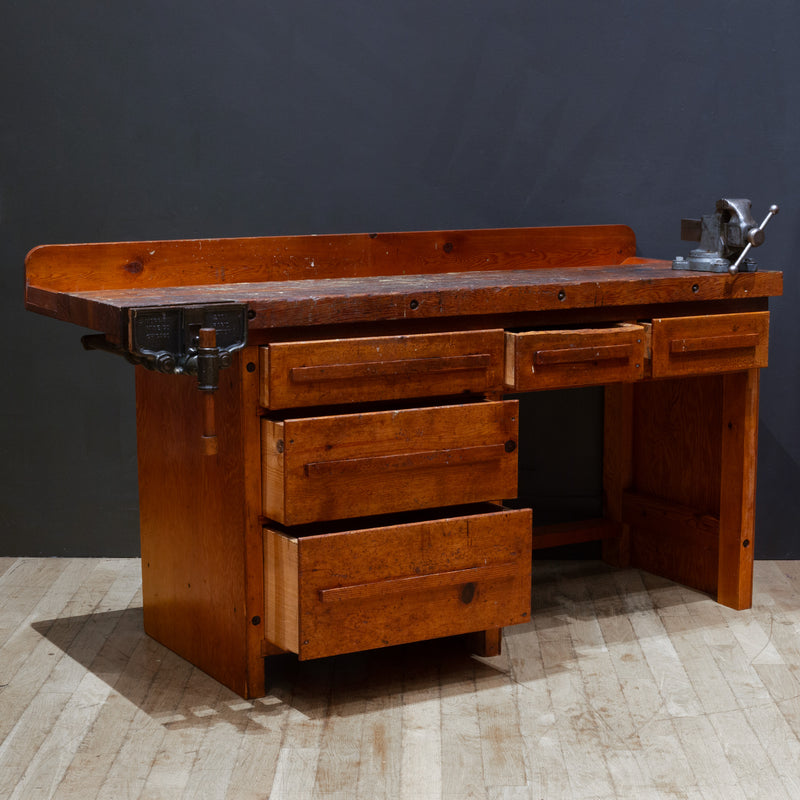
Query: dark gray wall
197, 119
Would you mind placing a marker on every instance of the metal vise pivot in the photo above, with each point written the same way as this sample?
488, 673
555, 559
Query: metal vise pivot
725, 237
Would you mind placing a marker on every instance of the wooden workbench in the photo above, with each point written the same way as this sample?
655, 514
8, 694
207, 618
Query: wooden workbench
365, 438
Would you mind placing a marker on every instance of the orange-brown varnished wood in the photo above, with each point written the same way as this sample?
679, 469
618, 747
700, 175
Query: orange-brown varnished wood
247, 365
281, 588
677, 440
617, 467
374, 587
677, 451
549, 359
194, 512
662, 517
699, 344
352, 370
738, 488
488, 643
202, 262
349, 465
407, 322
564, 533
667, 540
419, 296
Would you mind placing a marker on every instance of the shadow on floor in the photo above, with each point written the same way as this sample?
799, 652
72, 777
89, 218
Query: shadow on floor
114, 647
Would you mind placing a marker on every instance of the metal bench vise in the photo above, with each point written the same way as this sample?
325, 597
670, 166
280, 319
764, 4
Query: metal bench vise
725, 237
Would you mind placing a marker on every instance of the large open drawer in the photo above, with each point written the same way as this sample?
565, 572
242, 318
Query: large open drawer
360, 589
353, 465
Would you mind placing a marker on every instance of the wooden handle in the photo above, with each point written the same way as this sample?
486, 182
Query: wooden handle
207, 337
419, 583
579, 355
422, 460
376, 369
733, 341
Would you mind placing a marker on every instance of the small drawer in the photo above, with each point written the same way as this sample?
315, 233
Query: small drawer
352, 465
298, 374
360, 589
718, 343
579, 357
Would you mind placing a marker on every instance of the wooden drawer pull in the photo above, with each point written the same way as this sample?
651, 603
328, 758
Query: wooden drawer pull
732, 341
420, 583
575, 355
421, 460
403, 366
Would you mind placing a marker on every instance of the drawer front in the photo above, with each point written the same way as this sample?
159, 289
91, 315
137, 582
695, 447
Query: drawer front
720, 343
297, 374
581, 357
361, 589
352, 465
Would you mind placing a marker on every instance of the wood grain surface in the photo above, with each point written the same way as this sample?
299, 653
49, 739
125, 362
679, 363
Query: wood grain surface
700, 345
621, 682
196, 262
387, 461
348, 370
416, 296
551, 359
354, 590
196, 513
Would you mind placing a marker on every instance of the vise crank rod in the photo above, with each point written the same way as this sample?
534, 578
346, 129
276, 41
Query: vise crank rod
194, 340
755, 237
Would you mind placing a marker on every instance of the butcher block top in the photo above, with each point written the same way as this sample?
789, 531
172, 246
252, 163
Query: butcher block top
290, 281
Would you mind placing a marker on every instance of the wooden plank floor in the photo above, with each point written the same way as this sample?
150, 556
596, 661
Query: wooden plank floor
621, 686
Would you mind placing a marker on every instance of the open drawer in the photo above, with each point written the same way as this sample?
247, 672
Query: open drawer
331, 371
354, 590
716, 343
552, 359
354, 465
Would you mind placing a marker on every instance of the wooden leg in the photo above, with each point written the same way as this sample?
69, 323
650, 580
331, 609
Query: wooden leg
738, 488
617, 466
487, 643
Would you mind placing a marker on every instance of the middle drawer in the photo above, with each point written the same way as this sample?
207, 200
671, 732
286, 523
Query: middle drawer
552, 359
353, 465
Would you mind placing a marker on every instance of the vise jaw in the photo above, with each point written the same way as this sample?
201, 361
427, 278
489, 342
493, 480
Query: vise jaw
725, 238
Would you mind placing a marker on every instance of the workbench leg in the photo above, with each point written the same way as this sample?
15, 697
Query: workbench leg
487, 643
617, 467
738, 488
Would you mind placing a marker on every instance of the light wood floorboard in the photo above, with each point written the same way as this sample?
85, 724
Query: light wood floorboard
622, 685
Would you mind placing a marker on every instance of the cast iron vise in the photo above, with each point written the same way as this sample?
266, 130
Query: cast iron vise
725, 237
